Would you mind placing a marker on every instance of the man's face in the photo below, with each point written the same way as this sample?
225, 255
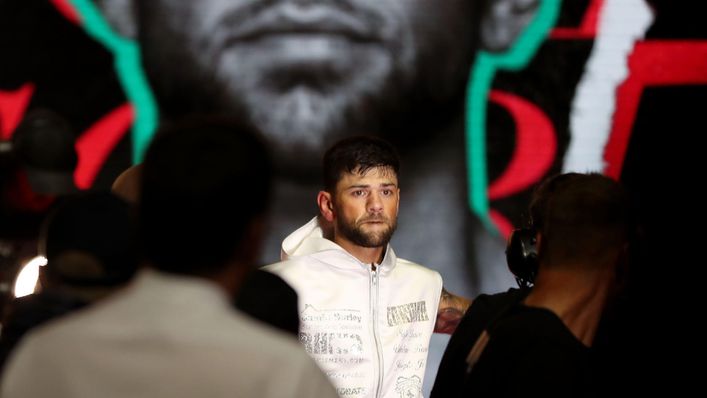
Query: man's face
366, 207
308, 72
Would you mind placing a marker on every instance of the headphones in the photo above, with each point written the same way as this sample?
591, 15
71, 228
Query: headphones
522, 255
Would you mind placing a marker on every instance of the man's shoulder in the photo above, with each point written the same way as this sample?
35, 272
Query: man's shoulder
57, 337
486, 307
301, 273
407, 266
87, 330
271, 351
68, 326
278, 266
292, 263
501, 299
329, 258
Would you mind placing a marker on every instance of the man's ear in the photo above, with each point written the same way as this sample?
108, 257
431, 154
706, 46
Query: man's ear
397, 204
326, 205
503, 21
121, 15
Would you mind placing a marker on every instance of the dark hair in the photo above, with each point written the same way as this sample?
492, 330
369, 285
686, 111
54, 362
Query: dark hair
204, 180
357, 154
95, 224
44, 143
580, 217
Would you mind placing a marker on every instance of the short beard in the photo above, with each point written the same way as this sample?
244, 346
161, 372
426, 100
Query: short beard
355, 234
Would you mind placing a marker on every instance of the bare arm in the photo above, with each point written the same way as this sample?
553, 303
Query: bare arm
450, 312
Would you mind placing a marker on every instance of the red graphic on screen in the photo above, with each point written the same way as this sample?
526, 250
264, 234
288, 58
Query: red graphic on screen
13, 105
534, 152
67, 10
588, 28
652, 63
96, 143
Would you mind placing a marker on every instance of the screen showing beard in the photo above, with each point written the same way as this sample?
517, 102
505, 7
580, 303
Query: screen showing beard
482, 102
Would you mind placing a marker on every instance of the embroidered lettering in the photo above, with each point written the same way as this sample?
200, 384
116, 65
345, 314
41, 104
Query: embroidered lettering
407, 313
342, 391
323, 343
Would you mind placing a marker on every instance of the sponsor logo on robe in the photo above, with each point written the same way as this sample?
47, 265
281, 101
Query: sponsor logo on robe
407, 313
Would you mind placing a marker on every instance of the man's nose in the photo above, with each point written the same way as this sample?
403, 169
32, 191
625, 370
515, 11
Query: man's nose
375, 204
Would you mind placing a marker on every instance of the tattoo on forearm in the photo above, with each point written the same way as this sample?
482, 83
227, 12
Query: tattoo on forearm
445, 294
450, 312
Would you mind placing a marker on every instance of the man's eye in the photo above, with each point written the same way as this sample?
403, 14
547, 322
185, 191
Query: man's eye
387, 192
359, 193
